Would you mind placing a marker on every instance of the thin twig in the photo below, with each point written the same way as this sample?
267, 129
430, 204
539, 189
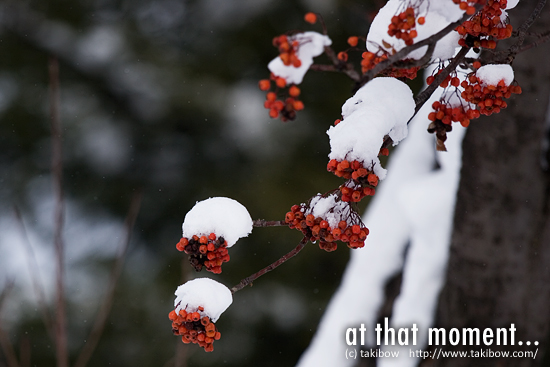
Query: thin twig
423, 96
5, 343
25, 351
105, 309
540, 40
522, 30
269, 223
57, 171
35, 276
7, 348
248, 280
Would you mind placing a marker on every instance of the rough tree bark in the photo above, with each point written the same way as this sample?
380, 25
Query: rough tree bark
499, 266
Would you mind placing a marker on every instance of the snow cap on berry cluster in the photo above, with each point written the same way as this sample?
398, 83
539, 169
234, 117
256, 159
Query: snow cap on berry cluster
437, 15
213, 296
312, 44
329, 208
492, 74
222, 216
381, 107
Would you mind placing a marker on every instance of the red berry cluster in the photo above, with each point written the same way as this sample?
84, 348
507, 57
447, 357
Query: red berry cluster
207, 251
468, 6
194, 329
489, 99
288, 49
409, 73
370, 60
403, 26
285, 109
478, 31
350, 231
452, 80
447, 114
362, 181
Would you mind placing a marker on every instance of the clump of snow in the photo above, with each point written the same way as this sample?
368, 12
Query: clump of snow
492, 74
312, 44
511, 4
213, 296
223, 216
328, 208
381, 107
437, 14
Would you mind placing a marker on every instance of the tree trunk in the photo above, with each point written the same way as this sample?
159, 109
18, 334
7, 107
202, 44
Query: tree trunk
499, 266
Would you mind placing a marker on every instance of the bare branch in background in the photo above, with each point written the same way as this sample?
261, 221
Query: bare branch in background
35, 276
105, 309
57, 172
5, 343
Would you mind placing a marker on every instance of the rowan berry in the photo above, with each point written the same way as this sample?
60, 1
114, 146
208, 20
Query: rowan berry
294, 91
264, 84
353, 41
280, 82
195, 327
342, 56
205, 251
310, 18
403, 25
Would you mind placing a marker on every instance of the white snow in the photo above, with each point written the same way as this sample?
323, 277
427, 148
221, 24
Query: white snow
222, 216
492, 74
328, 208
511, 4
414, 206
312, 44
381, 107
438, 15
213, 296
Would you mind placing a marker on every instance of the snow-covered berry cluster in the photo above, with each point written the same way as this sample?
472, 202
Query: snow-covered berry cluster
210, 228
481, 92
194, 329
287, 50
361, 182
370, 60
327, 219
488, 97
198, 305
209, 252
486, 26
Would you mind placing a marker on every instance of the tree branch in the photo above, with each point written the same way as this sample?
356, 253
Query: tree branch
248, 281
401, 54
57, 171
35, 276
522, 30
269, 223
423, 96
101, 318
5, 344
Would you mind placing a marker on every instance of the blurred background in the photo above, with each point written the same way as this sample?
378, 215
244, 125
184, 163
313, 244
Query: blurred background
162, 97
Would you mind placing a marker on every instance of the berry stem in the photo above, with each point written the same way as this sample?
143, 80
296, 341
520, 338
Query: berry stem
423, 96
269, 223
248, 280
